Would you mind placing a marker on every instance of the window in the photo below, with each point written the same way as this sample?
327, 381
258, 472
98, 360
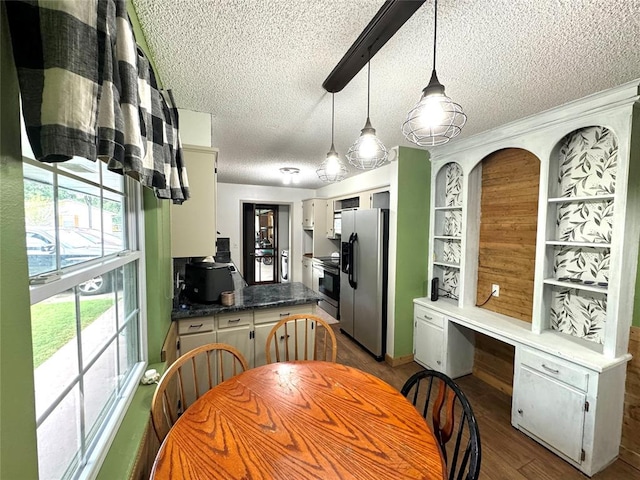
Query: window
84, 268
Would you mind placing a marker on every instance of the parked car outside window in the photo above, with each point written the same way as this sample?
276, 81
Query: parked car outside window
76, 246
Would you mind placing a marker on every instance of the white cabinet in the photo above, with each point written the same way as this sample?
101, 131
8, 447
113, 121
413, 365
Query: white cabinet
549, 403
574, 411
245, 330
234, 328
265, 320
429, 338
307, 272
440, 344
329, 219
308, 214
193, 224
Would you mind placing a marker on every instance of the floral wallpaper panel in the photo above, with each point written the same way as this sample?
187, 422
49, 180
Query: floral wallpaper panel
589, 266
587, 163
585, 221
452, 223
453, 185
579, 313
451, 251
451, 281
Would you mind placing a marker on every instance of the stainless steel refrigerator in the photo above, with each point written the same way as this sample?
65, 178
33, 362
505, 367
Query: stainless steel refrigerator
363, 278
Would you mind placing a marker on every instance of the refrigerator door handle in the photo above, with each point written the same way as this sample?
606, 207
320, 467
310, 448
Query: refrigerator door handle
353, 238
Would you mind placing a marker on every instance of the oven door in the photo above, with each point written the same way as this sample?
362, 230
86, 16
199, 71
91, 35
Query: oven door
329, 283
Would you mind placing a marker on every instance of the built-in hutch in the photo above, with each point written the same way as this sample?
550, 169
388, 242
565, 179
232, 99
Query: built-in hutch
571, 345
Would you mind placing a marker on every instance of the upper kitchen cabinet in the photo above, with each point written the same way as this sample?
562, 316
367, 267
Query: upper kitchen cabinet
193, 224
316, 240
308, 213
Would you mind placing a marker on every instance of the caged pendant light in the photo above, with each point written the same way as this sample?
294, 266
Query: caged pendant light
368, 152
436, 119
332, 169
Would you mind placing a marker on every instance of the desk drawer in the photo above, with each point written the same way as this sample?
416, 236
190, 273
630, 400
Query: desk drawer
195, 325
430, 316
234, 319
555, 368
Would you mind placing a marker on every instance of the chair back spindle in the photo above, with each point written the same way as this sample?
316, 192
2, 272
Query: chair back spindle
301, 337
188, 378
449, 412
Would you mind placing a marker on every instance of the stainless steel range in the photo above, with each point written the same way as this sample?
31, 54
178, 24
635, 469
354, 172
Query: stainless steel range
326, 278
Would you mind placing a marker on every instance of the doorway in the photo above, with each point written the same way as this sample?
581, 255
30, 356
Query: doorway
260, 243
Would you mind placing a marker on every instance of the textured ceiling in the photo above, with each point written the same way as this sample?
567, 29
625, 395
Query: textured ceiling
258, 67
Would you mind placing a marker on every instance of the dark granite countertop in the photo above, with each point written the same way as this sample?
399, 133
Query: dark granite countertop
251, 298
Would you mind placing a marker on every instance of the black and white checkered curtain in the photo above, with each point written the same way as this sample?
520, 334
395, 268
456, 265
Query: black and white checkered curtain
88, 91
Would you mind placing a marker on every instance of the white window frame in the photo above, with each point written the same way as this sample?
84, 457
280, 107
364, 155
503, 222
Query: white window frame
73, 276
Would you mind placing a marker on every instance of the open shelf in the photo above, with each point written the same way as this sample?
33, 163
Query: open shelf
578, 244
445, 264
449, 208
576, 285
586, 198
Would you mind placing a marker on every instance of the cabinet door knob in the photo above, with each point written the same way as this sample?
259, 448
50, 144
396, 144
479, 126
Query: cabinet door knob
234, 321
195, 326
428, 317
285, 314
520, 411
438, 362
282, 337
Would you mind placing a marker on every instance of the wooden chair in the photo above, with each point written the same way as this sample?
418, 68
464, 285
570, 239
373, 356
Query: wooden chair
301, 337
191, 375
463, 456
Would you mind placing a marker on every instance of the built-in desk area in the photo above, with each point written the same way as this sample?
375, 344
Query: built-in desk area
565, 395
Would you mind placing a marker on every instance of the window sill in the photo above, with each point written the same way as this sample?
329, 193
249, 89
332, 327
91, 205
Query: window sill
129, 456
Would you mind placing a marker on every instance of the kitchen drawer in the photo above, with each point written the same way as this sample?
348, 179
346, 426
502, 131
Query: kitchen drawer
555, 368
428, 315
234, 319
195, 325
276, 314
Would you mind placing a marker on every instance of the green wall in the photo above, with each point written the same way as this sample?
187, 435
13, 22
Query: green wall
18, 458
414, 180
159, 271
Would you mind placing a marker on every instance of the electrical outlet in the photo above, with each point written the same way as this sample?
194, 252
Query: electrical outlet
495, 290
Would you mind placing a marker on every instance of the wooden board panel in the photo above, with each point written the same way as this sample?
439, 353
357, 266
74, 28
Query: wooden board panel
493, 362
508, 227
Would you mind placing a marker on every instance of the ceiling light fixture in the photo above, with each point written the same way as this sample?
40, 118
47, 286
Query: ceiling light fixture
289, 175
332, 169
436, 119
368, 152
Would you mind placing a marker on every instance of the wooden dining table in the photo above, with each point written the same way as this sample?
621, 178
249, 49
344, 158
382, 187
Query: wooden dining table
300, 420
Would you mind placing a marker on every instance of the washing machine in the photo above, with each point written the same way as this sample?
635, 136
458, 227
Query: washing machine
284, 266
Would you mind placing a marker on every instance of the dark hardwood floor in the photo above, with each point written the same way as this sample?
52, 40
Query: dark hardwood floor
506, 453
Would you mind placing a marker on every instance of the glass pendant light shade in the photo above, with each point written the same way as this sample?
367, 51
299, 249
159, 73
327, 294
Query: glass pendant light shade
436, 119
368, 152
332, 169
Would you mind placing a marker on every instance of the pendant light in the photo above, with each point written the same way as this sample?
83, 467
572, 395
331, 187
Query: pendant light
368, 152
436, 119
332, 169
